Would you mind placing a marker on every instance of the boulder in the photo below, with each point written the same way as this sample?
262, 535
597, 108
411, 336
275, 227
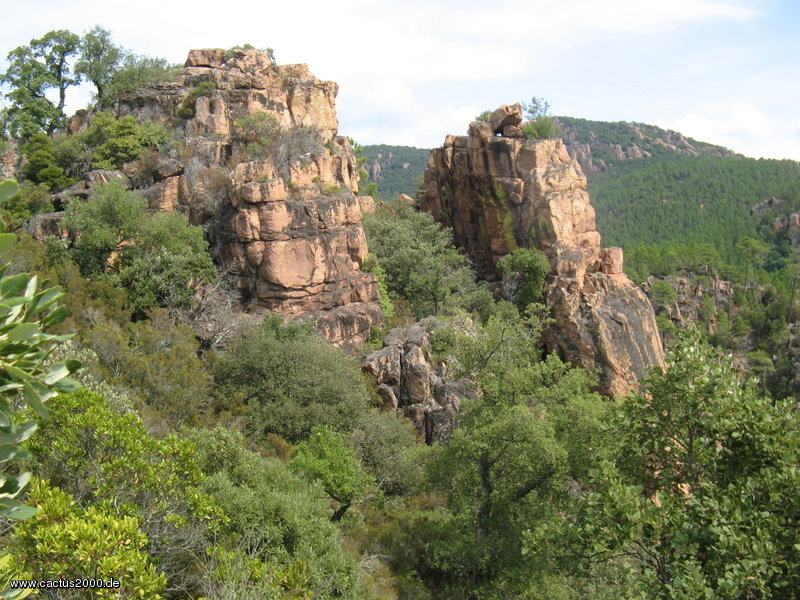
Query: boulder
208, 57
513, 131
480, 129
505, 116
408, 382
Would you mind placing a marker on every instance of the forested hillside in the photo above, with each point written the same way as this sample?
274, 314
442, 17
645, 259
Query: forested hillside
176, 423
395, 169
697, 199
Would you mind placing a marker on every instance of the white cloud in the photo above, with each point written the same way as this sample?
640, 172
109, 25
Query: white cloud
741, 127
385, 54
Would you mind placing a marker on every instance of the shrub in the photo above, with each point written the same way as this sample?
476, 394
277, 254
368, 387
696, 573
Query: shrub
187, 109
421, 264
525, 273
117, 141
30, 200
285, 380
277, 516
41, 165
69, 542
138, 71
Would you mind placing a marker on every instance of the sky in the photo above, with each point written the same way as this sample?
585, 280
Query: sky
410, 72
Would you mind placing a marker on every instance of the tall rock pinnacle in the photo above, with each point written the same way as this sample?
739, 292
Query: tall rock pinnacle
500, 193
264, 170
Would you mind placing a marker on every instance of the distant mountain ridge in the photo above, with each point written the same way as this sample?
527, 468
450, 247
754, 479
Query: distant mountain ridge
599, 145
596, 145
395, 169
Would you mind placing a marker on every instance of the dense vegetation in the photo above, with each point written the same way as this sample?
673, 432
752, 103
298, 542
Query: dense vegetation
400, 169
691, 199
217, 456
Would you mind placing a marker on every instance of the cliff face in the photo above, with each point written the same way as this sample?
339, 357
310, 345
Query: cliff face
500, 193
284, 216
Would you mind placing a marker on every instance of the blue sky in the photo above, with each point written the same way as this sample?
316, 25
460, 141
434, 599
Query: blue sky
722, 71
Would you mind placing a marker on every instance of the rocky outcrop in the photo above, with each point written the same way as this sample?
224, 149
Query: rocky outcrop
500, 193
409, 383
284, 215
598, 145
8, 159
699, 297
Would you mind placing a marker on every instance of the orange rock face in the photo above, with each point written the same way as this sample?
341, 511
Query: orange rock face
501, 193
287, 221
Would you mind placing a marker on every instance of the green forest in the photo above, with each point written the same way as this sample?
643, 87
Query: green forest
400, 169
153, 434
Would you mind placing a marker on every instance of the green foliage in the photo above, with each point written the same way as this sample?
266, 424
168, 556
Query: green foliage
386, 445
257, 132
99, 60
420, 263
325, 458
112, 216
157, 362
525, 272
400, 168
700, 499
30, 200
233, 575
156, 259
32, 71
513, 458
286, 380
372, 265
187, 108
41, 165
107, 459
540, 124
278, 517
654, 142
694, 199
644, 260
662, 295
67, 542
136, 71
24, 314
117, 141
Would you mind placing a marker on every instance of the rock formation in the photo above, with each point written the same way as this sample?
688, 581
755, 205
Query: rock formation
408, 382
500, 193
285, 215
699, 297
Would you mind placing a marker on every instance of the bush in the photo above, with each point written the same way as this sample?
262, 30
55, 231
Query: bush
525, 273
158, 260
156, 362
285, 380
187, 109
30, 200
117, 141
138, 71
69, 543
421, 264
108, 460
41, 164
277, 516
